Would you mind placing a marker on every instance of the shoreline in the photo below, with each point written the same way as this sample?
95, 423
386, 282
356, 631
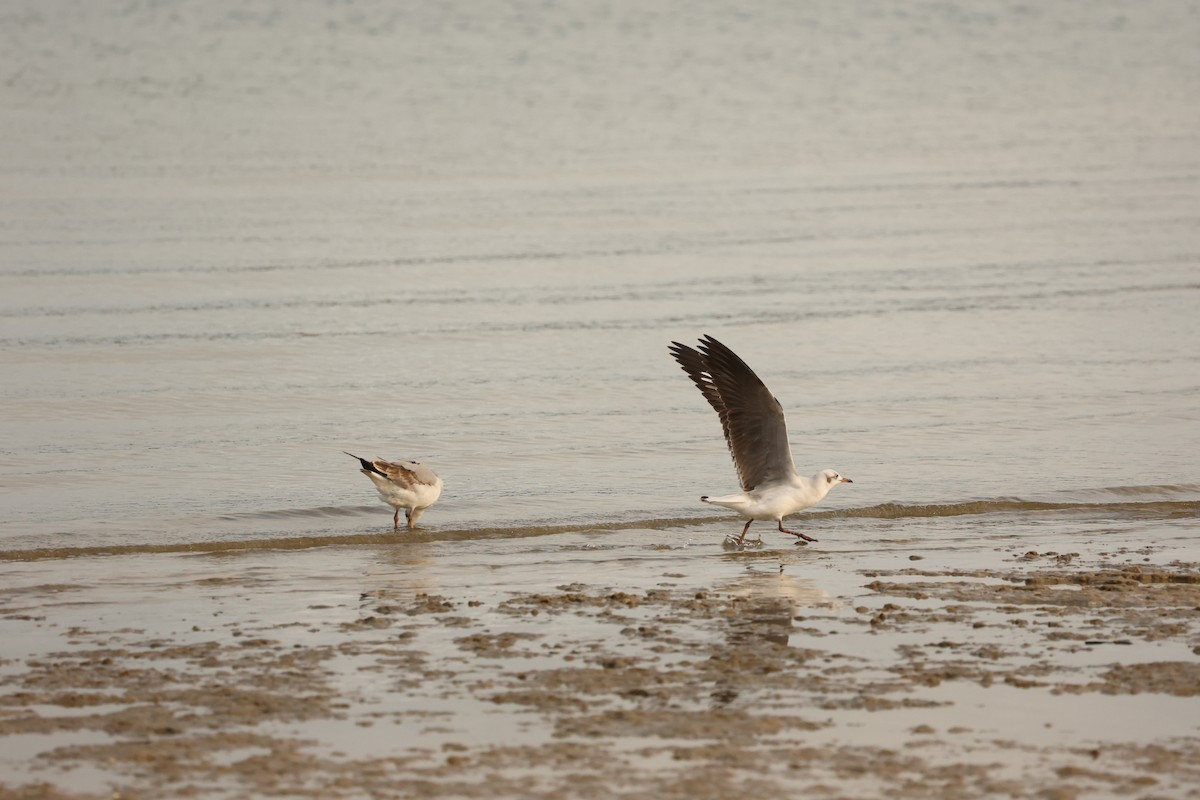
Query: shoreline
1167, 504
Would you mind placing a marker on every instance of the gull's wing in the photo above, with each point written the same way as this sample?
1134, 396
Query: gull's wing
751, 417
406, 473
402, 473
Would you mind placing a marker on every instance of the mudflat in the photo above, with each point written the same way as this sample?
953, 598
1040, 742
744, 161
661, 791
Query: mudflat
368, 671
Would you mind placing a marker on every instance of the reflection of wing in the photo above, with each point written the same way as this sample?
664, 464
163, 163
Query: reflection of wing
751, 418
773, 586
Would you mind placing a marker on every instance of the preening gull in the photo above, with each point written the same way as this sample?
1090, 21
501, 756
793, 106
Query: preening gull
408, 485
756, 433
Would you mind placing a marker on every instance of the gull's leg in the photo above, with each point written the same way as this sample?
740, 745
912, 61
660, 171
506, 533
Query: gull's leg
412, 521
793, 533
742, 538
396, 520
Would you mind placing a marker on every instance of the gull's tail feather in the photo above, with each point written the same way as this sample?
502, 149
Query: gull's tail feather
733, 501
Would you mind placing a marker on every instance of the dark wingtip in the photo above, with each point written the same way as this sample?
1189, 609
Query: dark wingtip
682, 354
704, 498
367, 465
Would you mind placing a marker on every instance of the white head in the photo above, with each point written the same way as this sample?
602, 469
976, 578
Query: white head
828, 478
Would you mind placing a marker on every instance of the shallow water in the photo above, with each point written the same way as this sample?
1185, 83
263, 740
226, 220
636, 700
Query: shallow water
961, 248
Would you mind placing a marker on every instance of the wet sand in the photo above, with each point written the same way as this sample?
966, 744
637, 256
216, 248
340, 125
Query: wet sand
688, 672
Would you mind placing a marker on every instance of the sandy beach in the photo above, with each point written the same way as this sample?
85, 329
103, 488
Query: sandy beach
395, 670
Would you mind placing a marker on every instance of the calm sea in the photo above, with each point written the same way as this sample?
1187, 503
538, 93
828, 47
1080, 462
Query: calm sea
960, 242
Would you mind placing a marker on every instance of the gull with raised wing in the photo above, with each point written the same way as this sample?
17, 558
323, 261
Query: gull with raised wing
408, 485
756, 433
